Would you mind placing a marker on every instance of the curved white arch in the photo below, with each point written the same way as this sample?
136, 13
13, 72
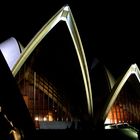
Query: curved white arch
64, 14
111, 79
119, 85
11, 51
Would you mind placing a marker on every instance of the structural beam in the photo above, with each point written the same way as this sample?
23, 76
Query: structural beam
64, 14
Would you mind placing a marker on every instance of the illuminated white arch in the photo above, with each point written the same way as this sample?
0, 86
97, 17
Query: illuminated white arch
111, 79
64, 14
11, 50
119, 85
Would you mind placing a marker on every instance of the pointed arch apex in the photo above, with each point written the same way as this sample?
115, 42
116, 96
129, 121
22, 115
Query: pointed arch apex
64, 14
133, 69
66, 7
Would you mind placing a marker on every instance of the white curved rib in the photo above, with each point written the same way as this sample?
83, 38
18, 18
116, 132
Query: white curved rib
64, 14
116, 90
11, 51
111, 79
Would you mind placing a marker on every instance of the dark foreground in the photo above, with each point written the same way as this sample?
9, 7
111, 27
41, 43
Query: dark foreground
112, 134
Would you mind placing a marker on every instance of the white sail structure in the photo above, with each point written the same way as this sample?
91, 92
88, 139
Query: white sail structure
133, 70
64, 14
11, 50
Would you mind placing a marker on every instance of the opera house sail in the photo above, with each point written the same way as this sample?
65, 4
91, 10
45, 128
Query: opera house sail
43, 99
51, 97
123, 105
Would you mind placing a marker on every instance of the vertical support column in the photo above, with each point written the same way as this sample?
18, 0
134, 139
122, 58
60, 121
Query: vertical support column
43, 101
34, 93
48, 100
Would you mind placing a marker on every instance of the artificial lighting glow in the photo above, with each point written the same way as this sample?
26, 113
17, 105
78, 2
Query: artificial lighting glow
107, 121
115, 121
45, 119
36, 119
50, 117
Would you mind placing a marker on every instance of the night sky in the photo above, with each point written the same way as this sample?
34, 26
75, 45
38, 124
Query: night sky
109, 32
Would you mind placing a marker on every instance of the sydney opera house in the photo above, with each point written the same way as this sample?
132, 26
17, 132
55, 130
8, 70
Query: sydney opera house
42, 88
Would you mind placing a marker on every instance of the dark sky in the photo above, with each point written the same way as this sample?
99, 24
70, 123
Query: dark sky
109, 30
